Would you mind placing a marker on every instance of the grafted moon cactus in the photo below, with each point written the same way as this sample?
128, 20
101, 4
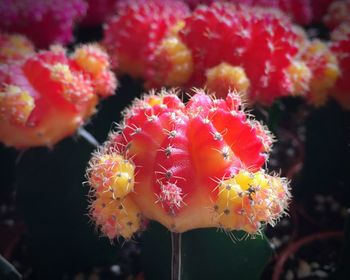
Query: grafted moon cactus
186, 166
48, 95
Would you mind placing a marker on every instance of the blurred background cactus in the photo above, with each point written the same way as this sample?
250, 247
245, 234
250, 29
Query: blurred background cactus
288, 61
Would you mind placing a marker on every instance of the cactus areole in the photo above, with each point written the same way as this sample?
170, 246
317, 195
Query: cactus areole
187, 166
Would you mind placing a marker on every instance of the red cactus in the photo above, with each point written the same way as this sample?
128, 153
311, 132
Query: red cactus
48, 95
186, 166
262, 42
132, 36
340, 46
43, 21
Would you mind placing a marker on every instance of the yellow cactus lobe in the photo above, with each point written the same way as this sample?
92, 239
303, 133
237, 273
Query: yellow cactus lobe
14, 47
74, 88
115, 217
61, 72
174, 64
128, 219
16, 105
249, 199
325, 71
154, 100
225, 77
92, 59
112, 173
299, 75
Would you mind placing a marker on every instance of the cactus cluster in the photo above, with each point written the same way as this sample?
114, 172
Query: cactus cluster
46, 96
186, 166
257, 52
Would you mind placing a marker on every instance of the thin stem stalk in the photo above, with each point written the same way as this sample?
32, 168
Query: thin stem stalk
175, 256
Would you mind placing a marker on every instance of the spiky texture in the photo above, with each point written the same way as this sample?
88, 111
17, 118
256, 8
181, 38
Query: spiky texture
262, 42
340, 46
184, 156
14, 47
338, 12
132, 36
43, 21
301, 11
48, 95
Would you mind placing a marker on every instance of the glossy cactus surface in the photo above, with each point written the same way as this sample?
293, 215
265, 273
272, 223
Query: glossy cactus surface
186, 166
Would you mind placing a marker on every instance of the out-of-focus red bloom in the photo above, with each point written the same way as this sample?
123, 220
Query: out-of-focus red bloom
47, 96
301, 11
324, 71
338, 12
14, 47
99, 11
186, 166
132, 36
43, 21
262, 42
340, 46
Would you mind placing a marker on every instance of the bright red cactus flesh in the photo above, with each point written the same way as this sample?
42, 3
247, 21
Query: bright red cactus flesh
132, 36
43, 21
48, 95
186, 166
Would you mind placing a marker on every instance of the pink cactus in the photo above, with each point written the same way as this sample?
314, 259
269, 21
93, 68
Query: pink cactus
43, 21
